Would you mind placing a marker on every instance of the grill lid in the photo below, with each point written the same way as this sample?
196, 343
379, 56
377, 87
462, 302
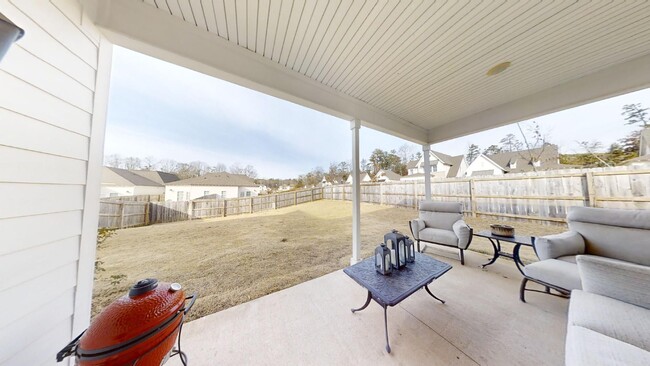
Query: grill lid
147, 308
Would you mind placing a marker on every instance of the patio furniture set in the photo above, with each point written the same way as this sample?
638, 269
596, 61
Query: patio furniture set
602, 263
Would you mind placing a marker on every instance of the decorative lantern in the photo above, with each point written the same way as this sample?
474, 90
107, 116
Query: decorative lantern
382, 260
397, 244
9, 33
410, 250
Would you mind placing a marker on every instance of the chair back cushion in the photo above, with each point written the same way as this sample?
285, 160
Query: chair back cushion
440, 215
611, 233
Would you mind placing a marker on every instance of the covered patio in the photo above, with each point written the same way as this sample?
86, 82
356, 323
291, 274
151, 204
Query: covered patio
482, 323
421, 70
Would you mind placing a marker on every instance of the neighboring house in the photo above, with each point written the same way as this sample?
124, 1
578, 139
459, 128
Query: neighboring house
121, 182
543, 158
221, 185
364, 177
157, 176
387, 176
442, 166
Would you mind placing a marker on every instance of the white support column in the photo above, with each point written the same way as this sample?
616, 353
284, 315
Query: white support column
427, 171
356, 194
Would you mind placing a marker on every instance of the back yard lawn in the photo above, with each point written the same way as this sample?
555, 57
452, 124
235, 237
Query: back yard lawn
232, 260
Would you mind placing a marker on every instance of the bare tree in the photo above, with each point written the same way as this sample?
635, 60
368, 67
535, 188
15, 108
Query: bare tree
132, 163
168, 165
247, 170
636, 114
149, 163
405, 152
219, 167
535, 143
113, 161
591, 148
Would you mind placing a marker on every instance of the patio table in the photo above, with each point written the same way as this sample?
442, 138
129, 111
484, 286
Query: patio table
517, 240
390, 290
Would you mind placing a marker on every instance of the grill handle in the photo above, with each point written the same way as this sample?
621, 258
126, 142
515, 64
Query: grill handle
192, 299
70, 349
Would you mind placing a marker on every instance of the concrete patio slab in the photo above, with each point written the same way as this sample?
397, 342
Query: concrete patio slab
483, 322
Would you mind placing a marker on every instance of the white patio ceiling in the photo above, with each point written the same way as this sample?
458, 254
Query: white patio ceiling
416, 69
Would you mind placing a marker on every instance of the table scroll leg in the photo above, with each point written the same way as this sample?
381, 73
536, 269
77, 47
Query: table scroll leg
364, 305
517, 258
426, 287
496, 253
386, 329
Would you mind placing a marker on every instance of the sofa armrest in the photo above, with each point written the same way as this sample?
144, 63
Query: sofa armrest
558, 245
416, 226
463, 232
624, 281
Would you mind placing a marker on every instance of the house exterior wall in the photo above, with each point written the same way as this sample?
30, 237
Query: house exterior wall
53, 94
110, 191
436, 166
194, 192
481, 163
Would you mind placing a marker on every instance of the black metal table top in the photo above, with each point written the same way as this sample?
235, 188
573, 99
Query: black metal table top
390, 290
517, 239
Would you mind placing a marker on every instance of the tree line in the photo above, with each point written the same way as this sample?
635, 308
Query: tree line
532, 142
182, 170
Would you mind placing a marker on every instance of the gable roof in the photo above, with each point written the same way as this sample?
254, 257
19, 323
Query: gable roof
221, 179
157, 176
548, 156
455, 162
391, 175
123, 177
444, 158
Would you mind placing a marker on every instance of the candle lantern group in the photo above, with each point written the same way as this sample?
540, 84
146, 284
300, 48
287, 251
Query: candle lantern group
394, 253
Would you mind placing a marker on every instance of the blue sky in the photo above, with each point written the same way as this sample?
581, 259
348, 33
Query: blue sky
169, 112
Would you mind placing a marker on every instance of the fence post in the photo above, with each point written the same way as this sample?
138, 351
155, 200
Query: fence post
147, 211
295, 198
225, 207
190, 210
251, 204
591, 192
121, 212
312, 195
472, 198
415, 194
381, 194
275, 204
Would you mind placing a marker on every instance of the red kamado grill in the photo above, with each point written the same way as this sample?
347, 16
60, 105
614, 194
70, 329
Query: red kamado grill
139, 329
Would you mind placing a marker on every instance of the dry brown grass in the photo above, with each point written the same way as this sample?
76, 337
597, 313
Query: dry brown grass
232, 260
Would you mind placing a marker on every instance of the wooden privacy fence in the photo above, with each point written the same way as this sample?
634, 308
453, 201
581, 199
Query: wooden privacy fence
122, 214
138, 198
541, 196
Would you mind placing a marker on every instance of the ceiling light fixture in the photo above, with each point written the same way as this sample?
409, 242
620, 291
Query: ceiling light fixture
497, 69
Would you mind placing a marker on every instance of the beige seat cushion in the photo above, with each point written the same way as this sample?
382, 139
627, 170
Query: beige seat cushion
439, 236
589, 348
555, 272
617, 319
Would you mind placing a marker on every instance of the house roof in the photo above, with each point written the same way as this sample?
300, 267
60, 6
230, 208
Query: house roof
547, 155
123, 177
446, 159
157, 176
221, 179
391, 175
455, 162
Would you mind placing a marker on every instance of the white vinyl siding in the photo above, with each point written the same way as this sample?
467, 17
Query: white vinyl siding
47, 101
